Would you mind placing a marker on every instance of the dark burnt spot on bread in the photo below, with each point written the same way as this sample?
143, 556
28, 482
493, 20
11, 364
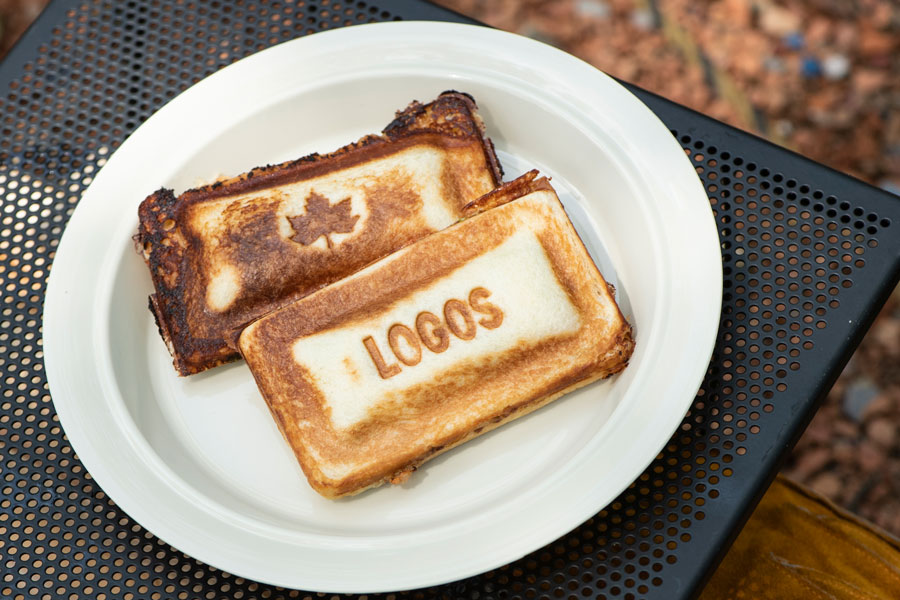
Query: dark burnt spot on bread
269, 272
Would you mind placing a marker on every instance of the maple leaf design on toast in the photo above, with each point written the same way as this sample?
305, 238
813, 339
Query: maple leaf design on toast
322, 218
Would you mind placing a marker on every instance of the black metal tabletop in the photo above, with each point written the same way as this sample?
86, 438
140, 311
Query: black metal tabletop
809, 256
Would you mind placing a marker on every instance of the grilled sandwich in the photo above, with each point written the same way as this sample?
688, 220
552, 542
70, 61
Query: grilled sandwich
454, 335
225, 254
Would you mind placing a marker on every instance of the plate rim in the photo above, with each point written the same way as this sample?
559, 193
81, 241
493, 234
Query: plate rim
56, 292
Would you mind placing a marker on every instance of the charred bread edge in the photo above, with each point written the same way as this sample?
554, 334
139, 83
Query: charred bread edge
158, 211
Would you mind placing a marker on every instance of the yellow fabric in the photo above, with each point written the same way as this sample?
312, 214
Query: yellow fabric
799, 545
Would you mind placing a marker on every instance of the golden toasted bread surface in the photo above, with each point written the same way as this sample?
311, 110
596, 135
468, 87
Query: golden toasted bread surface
224, 254
447, 338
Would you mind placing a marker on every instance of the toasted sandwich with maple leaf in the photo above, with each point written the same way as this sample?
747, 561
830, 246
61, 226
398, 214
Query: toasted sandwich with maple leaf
449, 337
225, 254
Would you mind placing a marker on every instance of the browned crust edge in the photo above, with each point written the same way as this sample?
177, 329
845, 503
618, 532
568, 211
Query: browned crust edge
415, 121
159, 240
490, 153
624, 344
511, 190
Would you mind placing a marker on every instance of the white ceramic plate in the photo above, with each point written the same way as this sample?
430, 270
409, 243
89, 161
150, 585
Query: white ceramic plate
200, 463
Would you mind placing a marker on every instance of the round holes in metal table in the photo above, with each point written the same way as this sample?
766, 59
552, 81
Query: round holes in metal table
789, 251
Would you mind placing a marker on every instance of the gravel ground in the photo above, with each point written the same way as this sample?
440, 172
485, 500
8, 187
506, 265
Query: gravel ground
819, 76
15, 17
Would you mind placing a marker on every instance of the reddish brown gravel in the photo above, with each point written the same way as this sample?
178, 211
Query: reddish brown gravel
15, 17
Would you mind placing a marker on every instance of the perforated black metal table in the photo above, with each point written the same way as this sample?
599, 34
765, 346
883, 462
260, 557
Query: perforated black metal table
809, 256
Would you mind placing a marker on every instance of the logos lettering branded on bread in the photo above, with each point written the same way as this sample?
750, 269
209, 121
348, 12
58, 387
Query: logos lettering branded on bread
433, 333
